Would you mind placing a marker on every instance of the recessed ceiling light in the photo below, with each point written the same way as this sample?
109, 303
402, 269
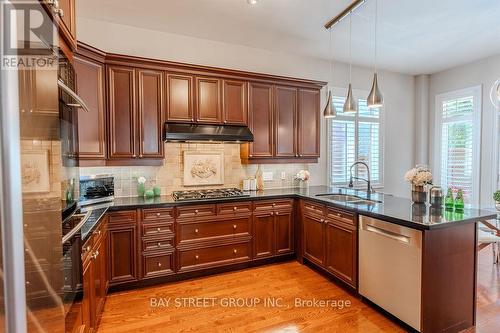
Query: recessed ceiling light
252, 2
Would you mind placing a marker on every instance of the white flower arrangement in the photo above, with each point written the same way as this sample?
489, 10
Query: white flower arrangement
303, 175
419, 176
141, 180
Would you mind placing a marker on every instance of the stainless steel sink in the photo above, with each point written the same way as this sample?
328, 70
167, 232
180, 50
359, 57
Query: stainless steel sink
347, 198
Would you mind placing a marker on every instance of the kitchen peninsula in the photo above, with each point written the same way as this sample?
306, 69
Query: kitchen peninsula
161, 240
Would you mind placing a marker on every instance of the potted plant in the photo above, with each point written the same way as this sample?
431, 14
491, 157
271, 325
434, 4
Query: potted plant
419, 177
496, 197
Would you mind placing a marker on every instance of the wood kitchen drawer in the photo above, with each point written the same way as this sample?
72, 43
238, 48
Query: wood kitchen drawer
340, 215
157, 229
158, 264
234, 208
122, 217
157, 243
201, 258
267, 205
196, 211
313, 208
156, 214
209, 230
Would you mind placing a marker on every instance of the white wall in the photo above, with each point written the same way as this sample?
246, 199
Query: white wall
398, 88
484, 73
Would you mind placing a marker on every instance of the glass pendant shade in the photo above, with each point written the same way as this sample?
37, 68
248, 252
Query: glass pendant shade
375, 98
350, 104
329, 111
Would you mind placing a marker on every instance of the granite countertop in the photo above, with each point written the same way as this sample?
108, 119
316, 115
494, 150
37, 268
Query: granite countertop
389, 208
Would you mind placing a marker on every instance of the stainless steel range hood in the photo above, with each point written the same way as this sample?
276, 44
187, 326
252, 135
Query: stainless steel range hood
202, 132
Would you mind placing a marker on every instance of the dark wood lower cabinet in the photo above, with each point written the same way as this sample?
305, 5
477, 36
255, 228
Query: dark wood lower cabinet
264, 240
273, 230
330, 241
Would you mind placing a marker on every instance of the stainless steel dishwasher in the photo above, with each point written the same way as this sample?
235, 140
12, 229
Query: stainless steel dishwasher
390, 268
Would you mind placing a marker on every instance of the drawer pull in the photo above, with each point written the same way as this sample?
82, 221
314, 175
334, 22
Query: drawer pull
235, 208
326, 222
322, 220
235, 251
196, 231
158, 214
98, 232
272, 213
28, 283
197, 257
159, 243
277, 213
234, 226
274, 204
159, 264
158, 229
196, 211
339, 215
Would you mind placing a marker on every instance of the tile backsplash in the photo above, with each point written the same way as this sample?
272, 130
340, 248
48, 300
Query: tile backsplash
170, 176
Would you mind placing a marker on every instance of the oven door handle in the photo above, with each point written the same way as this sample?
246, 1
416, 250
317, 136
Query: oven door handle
76, 228
73, 94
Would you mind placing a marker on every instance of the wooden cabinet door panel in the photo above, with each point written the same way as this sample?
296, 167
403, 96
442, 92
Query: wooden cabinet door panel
235, 109
99, 282
68, 19
208, 100
158, 264
261, 119
122, 112
285, 107
150, 113
91, 125
341, 251
88, 301
179, 98
44, 92
309, 123
314, 248
122, 254
284, 232
264, 239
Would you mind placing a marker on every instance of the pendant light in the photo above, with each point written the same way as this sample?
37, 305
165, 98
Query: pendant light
375, 98
350, 104
330, 111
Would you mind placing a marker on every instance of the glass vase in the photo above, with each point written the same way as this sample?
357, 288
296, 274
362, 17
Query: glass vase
418, 194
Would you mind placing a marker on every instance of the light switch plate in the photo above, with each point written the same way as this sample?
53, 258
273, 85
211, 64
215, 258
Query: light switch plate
267, 175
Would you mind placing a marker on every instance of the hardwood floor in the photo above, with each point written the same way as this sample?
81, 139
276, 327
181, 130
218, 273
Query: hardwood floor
132, 311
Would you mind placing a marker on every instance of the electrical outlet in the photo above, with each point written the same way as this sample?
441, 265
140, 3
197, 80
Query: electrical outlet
283, 175
267, 175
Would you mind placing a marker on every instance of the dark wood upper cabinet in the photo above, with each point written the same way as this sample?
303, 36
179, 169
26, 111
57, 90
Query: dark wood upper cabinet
91, 125
261, 120
64, 16
179, 97
122, 112
208, 100
309, 123
285, 106
150, 86
44, 93
235, 102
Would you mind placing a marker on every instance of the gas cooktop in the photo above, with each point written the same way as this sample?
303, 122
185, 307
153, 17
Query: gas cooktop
208, 194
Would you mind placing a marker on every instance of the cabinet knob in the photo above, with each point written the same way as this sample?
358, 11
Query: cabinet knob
322, 220
28, 283
192, 119
250, 155
196, 211
197, 257
225, 121
277, 213
159, 243
235, 208
339, 215
134, 156
195, 231
98, 232
274, 204
235, 251
234, 226
158, 214
158, 229
272, 213
22, 110
326, 222
159, 264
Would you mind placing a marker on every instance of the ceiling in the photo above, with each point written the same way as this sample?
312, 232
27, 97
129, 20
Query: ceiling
414, 37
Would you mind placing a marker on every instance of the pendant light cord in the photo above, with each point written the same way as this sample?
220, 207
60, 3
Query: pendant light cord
331, 55
376, 26
350, 47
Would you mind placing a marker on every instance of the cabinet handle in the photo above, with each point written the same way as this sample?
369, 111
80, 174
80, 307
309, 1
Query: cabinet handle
272, 213
134, 156
28, 283
235, 208
339, 215
322, 220
326, 222
98, 232
195, 231
96, 253
159, 264
159, 243
197, 257
158, 229
277, 213
196, 211
274, 204
31, 110
234, 226
158, 214
235, 251
22, 110
250, 155
192, 119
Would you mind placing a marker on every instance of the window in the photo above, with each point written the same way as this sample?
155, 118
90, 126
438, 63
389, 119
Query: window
355, 137
458, 131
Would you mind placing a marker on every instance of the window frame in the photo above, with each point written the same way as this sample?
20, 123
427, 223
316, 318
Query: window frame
381, 121
476, 93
